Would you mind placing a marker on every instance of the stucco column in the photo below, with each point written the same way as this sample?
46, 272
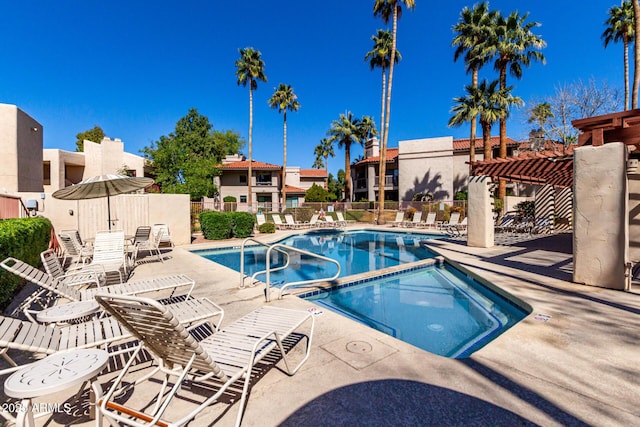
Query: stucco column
371, 182
480, 212
600, 233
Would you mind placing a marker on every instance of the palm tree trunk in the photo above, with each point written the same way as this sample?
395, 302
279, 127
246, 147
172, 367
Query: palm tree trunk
347, 170
284, 166
502, 185
636, 63
382, 168
250, 177
626, 74
382, 103
472, 136
486, 139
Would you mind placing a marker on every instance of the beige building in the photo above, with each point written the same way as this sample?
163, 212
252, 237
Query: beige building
266, 183
437, 166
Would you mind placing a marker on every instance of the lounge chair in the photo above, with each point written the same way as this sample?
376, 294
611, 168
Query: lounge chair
260, 219
292, 223
57, 288
506, 223
399, 219
278, 222
313, 222
430, 222
457, 229
417, 216
74, 248
329, 222
72, 277
165, 237
214, 364
152, 245
343, 222
109, 255
542, 226
454, 219
30, 337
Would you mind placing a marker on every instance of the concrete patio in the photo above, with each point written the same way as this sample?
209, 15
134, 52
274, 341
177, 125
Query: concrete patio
576, 365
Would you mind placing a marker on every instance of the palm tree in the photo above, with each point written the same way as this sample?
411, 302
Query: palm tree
250, 69
515, 46
283, 99
388, 9
324, 149
636, 57
472, 31
380, 56
345, 131
367, 128
621, 27
489, 103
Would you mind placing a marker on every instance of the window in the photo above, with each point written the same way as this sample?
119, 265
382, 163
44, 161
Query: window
46, 173
243, 199
243, 179
263, 179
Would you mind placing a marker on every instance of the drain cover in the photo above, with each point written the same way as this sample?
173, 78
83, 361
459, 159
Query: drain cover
435, 327
359, 347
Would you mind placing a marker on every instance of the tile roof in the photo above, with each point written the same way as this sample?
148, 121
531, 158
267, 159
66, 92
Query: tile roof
392, 155
244, 164
313, 173
295, 190
465, 143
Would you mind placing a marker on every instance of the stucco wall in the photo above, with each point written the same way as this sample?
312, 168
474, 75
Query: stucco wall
425, 165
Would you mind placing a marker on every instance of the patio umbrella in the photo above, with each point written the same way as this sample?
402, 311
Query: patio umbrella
103, 186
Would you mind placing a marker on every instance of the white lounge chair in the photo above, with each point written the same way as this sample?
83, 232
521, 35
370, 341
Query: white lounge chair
48, 284
260, 219
277, 220
292, 223
30, 337
430, 222
215, 363
454, 219
72, 277
399, 219
341, 221
165, 240
109, 255
417, 216
313, 222
457, 229
74, 248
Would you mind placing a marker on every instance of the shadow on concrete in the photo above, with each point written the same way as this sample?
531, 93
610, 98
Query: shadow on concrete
405, 403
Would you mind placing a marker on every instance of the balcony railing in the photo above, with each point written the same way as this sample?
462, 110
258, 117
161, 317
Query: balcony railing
389, 181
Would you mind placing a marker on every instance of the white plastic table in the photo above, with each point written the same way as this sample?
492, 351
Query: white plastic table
69, 311
53, 374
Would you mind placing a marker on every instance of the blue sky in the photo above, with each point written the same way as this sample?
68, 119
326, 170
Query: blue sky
135, 68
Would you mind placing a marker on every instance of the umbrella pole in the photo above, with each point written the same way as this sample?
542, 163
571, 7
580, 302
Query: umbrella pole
109, 211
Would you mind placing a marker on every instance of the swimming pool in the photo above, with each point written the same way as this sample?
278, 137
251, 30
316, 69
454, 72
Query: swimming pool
357, 251
437, 309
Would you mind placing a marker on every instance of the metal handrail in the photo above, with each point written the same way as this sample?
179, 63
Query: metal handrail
302, 282
242, 276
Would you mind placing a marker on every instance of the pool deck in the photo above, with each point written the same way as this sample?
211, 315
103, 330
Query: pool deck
573, 361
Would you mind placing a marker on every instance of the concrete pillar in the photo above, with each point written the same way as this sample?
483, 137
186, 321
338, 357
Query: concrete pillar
371, 182
564, 209
600, 232
545, 202
480, 212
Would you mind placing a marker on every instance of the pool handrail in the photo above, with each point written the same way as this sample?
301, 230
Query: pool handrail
277, 246
251, 239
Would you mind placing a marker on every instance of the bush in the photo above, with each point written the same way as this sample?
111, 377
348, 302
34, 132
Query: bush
229, 199
24, 239
216, 225
267, 227
526, 208
461, 195
316, 194
242, 224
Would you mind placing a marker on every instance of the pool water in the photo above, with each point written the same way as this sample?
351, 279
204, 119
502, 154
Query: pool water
434, 308
356, 251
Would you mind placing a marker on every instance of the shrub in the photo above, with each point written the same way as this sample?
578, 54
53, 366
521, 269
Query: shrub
461, 195
216, 225
526, 208
24, 239
316, 194
267, 227
242, 224
229, 199
497, 205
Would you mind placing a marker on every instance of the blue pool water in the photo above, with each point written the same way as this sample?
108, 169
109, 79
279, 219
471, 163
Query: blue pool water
356, 251
434, 308
438, 309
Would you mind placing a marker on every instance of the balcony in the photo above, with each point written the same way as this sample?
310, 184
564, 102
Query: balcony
390, 181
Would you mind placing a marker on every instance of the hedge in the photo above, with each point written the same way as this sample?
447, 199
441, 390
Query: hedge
224, 225
24, 239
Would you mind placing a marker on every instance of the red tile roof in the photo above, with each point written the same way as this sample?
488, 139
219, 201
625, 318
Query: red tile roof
313, 173
244, 165
392, 155
295, 190
465, 143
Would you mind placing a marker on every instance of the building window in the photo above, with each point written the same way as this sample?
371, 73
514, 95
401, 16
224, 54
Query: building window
263, 179
243, 179
243, 199
46, 173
